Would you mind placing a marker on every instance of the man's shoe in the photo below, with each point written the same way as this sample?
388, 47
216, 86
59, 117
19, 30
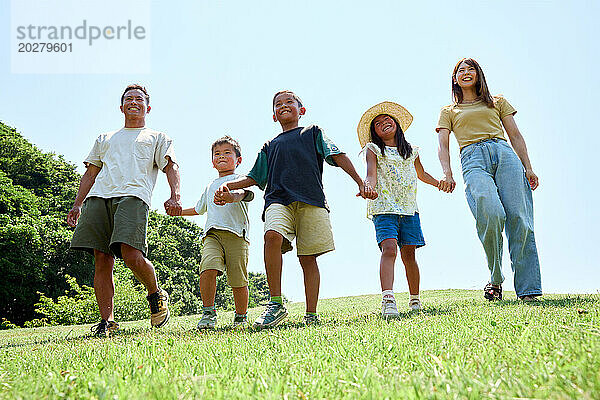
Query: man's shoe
159, 308
311, 319
273, 314
240, 321
389, 309
104, 328
208, 321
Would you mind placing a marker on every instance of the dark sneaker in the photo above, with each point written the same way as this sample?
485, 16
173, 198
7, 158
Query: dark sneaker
492, 293
208, 320
159, 308
104, 328
311, 319
273, 314
240, 321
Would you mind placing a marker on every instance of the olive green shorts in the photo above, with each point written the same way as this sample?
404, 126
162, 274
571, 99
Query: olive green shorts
226, 252
106, 223
308, 224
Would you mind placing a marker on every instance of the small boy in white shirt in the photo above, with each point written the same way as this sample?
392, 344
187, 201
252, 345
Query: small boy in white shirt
225, 239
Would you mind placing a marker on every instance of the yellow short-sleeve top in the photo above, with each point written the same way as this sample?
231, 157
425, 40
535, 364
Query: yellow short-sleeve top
472, 123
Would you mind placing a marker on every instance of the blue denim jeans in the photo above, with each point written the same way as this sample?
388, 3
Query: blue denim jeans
500, 198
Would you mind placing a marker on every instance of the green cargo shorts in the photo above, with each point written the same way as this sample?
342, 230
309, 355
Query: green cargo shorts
106, 223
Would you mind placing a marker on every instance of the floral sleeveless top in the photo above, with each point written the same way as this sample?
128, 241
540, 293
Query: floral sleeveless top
396, 182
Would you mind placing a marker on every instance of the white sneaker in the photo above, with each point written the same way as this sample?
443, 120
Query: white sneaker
414, 305
389, 309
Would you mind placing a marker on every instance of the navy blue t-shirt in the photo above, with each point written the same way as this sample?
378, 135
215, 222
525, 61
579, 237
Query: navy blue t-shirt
290, 167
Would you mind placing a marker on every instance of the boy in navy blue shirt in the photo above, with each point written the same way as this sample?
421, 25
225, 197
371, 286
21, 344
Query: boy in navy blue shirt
289, 169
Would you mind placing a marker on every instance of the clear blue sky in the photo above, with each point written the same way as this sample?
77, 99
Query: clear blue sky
216, 64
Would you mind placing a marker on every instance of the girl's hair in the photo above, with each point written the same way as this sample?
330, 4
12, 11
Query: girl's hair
404, 148
481, 88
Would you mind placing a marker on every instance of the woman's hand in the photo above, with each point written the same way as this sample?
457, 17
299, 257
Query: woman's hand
447, 184
533, 179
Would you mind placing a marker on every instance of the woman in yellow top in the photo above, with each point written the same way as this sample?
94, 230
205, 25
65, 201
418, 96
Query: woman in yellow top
498, 181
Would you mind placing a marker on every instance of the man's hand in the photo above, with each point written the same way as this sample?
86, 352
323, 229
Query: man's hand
223, 196
173, 207
447, 184
73, 216
533, 179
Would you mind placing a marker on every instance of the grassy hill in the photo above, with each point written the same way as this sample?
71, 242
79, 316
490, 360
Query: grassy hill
459, 347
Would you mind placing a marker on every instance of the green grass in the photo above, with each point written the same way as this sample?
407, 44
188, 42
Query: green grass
459, 347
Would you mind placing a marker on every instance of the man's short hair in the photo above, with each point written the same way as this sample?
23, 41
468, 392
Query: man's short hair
227, 140
294, 95
134, 86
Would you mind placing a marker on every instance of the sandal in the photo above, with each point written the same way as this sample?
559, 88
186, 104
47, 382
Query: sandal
492, 293
529, 298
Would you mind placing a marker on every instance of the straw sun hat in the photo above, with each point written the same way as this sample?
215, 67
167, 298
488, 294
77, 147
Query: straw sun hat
394, 110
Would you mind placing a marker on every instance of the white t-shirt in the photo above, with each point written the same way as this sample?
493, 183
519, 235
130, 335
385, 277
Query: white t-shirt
232, 217
130, 159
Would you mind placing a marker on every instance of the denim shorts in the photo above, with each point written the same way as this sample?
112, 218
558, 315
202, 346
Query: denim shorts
406, 229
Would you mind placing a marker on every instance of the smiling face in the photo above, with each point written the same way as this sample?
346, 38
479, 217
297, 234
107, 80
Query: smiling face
286, 109
466, 75
225, 159
385, 127
134, 104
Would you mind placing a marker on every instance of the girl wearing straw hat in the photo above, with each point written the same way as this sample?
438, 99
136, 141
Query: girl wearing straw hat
498, 181
393, 167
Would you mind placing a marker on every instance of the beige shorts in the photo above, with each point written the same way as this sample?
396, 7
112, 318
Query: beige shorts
308, 224
226, 252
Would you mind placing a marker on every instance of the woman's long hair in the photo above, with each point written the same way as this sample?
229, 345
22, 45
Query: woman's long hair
404, 148
481, 88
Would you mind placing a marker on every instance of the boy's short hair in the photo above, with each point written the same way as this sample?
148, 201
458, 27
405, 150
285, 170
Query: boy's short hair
227, 140
135, 86
294, 95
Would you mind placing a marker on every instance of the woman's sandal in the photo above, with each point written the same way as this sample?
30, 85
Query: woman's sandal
529, 298
492, 293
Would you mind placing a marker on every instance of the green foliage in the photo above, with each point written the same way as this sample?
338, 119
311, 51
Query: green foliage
6, 324
174, 249
53, 180
78, 304
36, 190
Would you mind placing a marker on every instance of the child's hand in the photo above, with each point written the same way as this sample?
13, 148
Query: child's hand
366, 191
223, 196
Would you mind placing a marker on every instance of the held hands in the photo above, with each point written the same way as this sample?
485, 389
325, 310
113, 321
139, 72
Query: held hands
223, 196
173, 207
533, 179
447, 184
73, 216
366, 190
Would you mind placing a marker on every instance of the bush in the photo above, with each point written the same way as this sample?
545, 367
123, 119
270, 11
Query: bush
78, 304
6, 324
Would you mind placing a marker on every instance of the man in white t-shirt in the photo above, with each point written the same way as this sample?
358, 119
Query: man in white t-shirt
121, 172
